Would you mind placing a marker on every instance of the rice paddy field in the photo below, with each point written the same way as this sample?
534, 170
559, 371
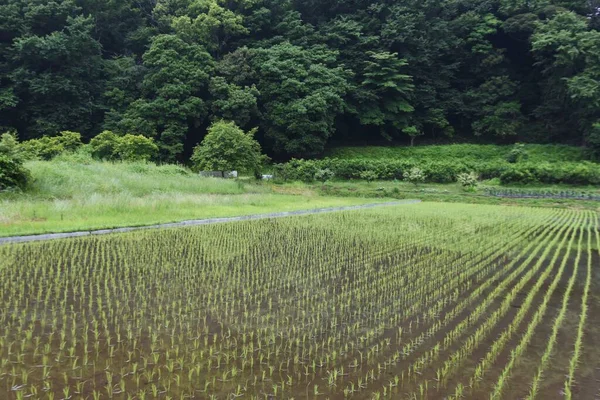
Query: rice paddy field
427, 301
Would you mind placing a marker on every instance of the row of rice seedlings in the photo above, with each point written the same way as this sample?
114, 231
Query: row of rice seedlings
405, 343
569, 382
114, 282
369, 352
451, 365
533, 392
209, 313
498, 345
413, 371
518, 351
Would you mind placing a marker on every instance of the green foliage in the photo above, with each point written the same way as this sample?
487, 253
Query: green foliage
468, 181
9, 146
517, 154
12, 172
232, 102
472, 152
104, 145
228, 148
301, 92
445, 170
304, 72
415, 176
177, 72
324, 175
48, 147
387, 91
594, 141
110, 146
136, 148
368, 175
50, 67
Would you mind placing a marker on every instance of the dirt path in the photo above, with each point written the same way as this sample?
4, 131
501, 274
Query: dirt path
195, 222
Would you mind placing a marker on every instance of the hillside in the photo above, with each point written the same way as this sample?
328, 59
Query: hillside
535, 152
304, 72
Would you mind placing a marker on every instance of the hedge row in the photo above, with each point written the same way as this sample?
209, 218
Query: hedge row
576, 173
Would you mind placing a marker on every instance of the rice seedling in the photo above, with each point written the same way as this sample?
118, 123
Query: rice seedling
383, 303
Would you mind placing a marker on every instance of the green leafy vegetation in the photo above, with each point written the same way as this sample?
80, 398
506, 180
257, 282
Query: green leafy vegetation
467, 152
12, 172
436, 301
227, 148
444, 170
304, 72
518, 164
109, 146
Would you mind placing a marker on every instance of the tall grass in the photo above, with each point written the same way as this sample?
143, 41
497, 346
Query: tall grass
63, 179
74, 192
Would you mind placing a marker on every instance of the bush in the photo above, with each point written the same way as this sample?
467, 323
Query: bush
415, 176
228, 148
104, 145
136, 148
324, 175
48, 147
574, 173
516, 175
368, 175
468, 181
517, 154
12, 172
110, 146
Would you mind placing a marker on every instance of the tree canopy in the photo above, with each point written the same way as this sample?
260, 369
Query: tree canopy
226, 147
306, 72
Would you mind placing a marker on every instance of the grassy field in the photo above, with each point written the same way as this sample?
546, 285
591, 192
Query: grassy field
67, 195
475, 152
451, 192
431, 301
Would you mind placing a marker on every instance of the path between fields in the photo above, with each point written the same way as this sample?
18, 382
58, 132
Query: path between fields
196, 222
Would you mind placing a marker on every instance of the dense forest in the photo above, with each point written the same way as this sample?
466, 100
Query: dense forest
304, 71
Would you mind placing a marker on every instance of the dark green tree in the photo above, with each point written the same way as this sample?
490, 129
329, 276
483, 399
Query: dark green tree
51, 68
174, 93
301, 93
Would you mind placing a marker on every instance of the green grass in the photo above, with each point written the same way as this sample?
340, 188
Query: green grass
537, 152
448, 193
71, 196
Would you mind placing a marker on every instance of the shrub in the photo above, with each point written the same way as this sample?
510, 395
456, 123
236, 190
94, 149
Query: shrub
226, 147
9, 146
136, 148
468, 181
324, 175
48, 147
579, 173
415, 176
110, 146
517, 154
12, 172
368, 175
104, 145
593, 140
517, 175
